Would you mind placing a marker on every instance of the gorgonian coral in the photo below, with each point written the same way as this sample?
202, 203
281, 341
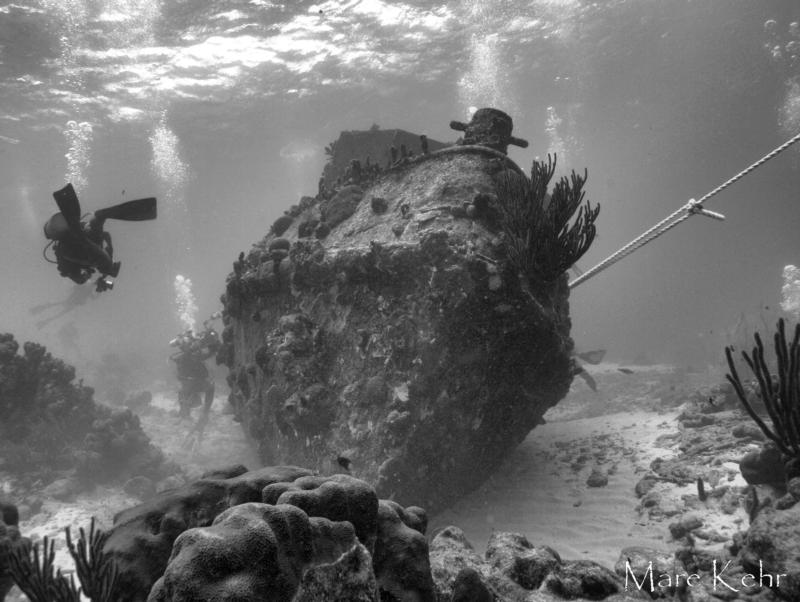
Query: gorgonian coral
543, 239
781, 395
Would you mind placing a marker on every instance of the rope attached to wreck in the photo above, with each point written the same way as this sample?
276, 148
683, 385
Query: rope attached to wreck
692, 207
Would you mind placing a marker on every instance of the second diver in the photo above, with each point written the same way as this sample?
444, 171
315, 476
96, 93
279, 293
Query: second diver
190, 362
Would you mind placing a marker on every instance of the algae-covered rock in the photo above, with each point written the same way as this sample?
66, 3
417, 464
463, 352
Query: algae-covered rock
771, 547
50, 424
404, 339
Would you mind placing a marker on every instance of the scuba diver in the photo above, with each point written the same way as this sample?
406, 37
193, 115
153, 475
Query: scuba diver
80, 244
190, 362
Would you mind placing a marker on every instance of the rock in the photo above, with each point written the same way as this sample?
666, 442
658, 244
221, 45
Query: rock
451, 553
651, 500
513, 556
140, 487
583, 579
644, 485
9, 536
9, 514
406, 298
689, 420
62, 489
772, 546
349, 577
764, 467
511, 570
710, 535
748, 431
401, 561
468, 587
785, 501
598, 478
686, 524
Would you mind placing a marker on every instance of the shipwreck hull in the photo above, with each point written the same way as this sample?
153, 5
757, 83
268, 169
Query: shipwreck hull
384, 328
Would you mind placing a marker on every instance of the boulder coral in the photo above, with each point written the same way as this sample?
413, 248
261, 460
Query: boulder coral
252, 551
270, 534
142, 537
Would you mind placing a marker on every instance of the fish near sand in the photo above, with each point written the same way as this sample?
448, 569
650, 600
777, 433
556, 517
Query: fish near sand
592, 357
591, 382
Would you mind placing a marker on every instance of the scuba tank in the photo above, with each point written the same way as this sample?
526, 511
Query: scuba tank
56, 228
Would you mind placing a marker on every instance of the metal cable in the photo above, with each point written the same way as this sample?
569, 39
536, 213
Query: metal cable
676, 217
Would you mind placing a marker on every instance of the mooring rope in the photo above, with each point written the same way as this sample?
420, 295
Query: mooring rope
692, 207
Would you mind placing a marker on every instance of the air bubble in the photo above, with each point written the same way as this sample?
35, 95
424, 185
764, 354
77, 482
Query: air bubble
770, 25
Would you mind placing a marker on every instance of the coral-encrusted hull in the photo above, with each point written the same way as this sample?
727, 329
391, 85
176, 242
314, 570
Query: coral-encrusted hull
386, 325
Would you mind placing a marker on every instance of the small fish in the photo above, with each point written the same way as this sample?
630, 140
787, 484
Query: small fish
711, 401
592, 357
344, 462
587, 378
625, 370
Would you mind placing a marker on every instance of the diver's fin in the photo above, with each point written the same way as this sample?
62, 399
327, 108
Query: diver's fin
70, 207
130, 211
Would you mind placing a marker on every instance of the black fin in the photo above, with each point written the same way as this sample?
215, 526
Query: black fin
70, 207
130, 211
